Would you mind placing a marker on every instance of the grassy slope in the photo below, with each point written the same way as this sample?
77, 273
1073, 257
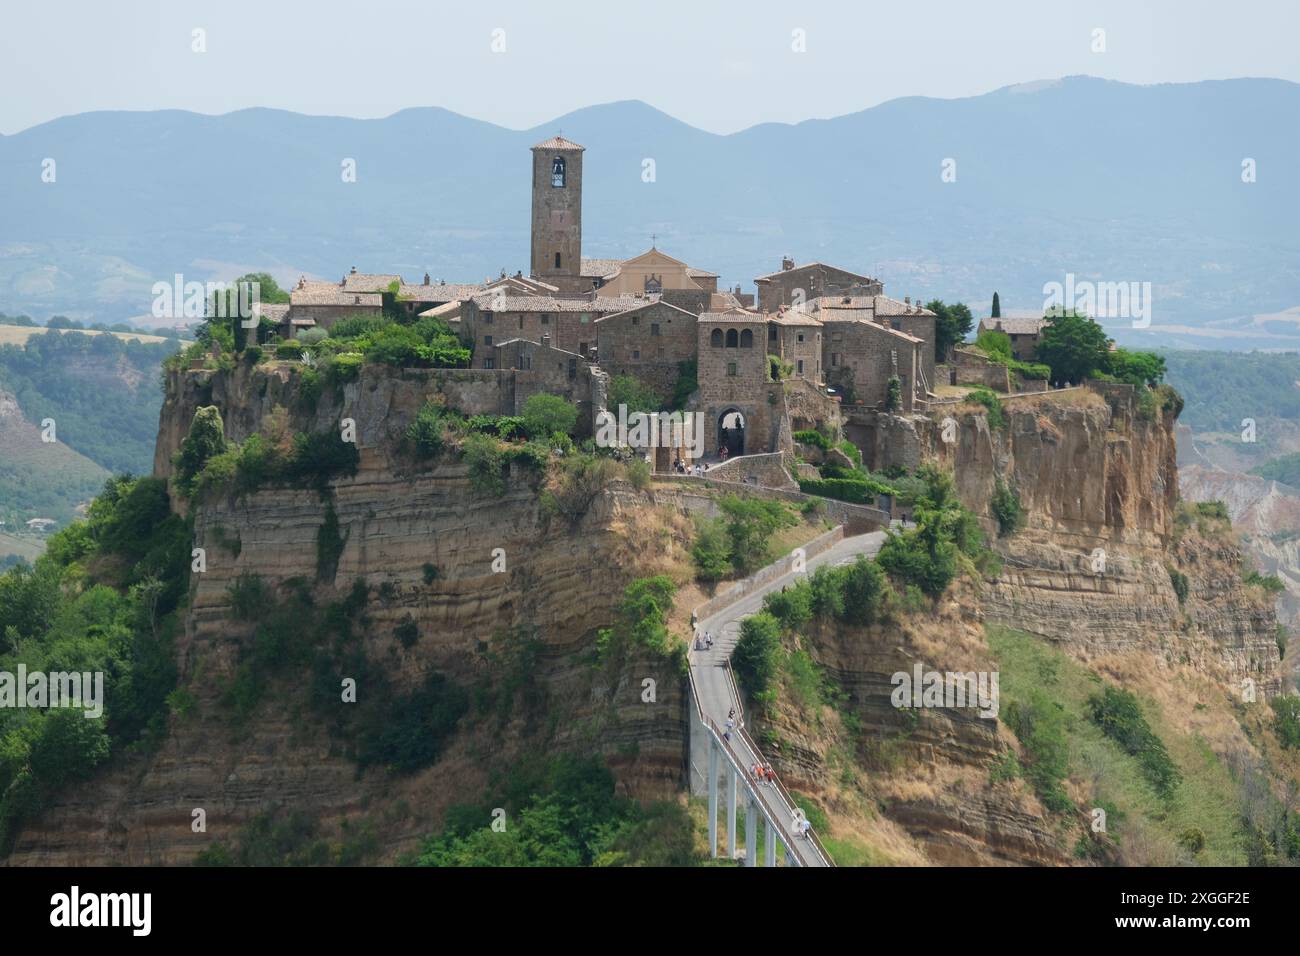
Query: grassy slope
1149, 827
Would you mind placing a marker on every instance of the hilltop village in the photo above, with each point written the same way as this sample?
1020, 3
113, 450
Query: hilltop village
818, 336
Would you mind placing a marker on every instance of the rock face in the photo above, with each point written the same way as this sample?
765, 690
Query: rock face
1098, 484
502, 579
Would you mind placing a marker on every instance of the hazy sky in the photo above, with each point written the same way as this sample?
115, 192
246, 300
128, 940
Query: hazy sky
717, 65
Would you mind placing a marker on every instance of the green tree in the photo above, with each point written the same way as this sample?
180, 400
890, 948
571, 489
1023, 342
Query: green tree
750, 524
638, 397
952, 324
206, 439
1136, 368
996, 311
711, 552
1073, 346
546, 415
755, 657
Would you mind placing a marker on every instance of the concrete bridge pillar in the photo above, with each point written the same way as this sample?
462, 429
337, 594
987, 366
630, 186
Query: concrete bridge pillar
769, 845
751, 831
713, 798
731, 813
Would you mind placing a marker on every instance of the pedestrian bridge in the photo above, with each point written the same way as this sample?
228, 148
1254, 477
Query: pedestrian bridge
718, 763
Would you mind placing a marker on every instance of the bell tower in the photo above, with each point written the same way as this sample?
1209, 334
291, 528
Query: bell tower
557, 214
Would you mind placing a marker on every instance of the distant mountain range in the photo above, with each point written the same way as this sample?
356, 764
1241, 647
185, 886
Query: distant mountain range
1109, 181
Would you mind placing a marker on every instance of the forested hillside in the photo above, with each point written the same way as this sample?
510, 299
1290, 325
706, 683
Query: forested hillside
103, 396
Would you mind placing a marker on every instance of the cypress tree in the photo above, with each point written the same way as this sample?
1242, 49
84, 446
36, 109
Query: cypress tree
997, 307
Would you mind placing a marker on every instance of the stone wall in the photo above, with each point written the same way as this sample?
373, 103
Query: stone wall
647, 344
864, 356
767, 470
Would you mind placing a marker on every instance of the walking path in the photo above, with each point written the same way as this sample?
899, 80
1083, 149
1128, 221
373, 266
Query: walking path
715, 693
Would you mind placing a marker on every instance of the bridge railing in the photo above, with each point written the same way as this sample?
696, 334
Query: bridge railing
785, 794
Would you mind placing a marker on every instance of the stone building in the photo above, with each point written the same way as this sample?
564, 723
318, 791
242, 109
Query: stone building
735, 393
540, 367
794, 284
862, 356
321, 304
1023, 331
795, 337
557, 215
566, 322
648, 342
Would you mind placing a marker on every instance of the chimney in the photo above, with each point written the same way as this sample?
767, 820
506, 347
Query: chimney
546, 340
787, 264
354, 270
907, 300
426, 278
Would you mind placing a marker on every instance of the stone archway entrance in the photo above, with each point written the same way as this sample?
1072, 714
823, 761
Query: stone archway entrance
731, 432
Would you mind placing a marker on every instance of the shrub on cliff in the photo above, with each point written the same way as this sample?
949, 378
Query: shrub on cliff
1005, 505
1118, 714
487, 463
711, 552
756, 656
546, 415
1286, 720
206, 438
574, 483
641, 621
750, 524
989, 399
1040, 724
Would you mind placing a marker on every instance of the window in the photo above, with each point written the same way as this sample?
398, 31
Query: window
661, 351
654, 328
573, 368
489, 363
636, 320
771, 333
799, 366
732, 338
636, 353
487, 318
731, 368
487, 340
835, 359
557, 176
746, 339
546, 319
521, 320
557, 260
836, 336
799, 337
715, 338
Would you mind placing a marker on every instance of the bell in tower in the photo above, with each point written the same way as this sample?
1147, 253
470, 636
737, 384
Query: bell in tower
557, 172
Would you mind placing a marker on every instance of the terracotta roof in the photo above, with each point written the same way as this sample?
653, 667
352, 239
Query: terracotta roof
442, 292
793, 317
490, 302
368, 282
700, 273
646, 305
333, 295
1015, 325
812, 265
558, 142
271, 310
600, 268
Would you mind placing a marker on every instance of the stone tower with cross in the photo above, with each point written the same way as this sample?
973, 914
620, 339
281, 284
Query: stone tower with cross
557, 214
